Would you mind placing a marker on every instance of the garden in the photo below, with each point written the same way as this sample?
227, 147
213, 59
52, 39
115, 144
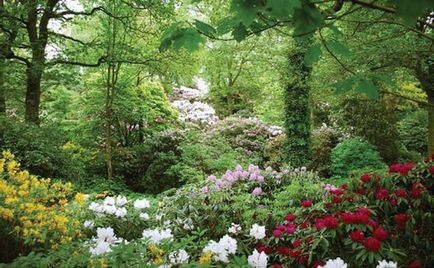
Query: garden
213, 133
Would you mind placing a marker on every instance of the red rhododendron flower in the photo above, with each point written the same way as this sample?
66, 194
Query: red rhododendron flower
318, 263
401, 219
290, 228
403, 169
337, 199
365, 211
281, 227
302, 259
295, 253
401, 193
372, 244
277, 265
393, 201
373, 224
382, 194
380, 234
431, 169
331, 222
296, 243
306, 203
337, 191
365, 178
360, 191
283, 250
362, 218
305, 225
319, 224
290, 217
357, 235
415, 264
277, 233
348, 217
416, 190
344, 186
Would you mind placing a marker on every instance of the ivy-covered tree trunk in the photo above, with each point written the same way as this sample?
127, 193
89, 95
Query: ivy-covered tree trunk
426, 78
297, 115
431, 122
33, 93
2, 88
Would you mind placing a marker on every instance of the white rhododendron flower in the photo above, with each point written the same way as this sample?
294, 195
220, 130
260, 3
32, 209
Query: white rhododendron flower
144, 216
386, 264
88, 224
100, 248
156, 236
221, 250
109, 209
235, 228
109, 201
336, 263
141, 204
121, 201
105, 238
96, 208
257, 231
258, 260
121, 212
179, 257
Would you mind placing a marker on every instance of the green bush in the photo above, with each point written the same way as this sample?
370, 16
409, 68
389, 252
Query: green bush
354, 154
324, 139
413, 131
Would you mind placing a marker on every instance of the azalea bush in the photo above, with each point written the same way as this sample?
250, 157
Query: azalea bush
35, 213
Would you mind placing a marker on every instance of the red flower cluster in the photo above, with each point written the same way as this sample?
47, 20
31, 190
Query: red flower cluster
306, 203
328, 221
382, 194
403, 169
380, 234
401, 219
357, 217
372, 244
416, 190
357, 235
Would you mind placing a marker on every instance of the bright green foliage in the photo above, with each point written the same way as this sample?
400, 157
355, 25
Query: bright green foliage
413, 131
352, 155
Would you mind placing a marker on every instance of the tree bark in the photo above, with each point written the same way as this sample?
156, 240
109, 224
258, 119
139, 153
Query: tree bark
2, 89
33, 94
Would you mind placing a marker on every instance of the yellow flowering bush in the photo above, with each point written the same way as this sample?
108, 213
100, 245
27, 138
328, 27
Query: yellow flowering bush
36, 211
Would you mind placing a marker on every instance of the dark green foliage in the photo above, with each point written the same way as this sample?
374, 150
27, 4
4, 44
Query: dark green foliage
352, 155
324, 139
413, 131
374, 121
39, 149
297, 115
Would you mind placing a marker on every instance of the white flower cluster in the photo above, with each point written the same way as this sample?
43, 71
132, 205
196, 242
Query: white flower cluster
156, 235
275, 130
336, 263
258, 260
386, 264
196, 112
104, 240
186, 93
234, 229
257, 231
178, 257
221, 250
110, 206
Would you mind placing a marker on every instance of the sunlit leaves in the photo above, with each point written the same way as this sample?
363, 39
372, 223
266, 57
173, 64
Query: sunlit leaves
282, 9
204, 28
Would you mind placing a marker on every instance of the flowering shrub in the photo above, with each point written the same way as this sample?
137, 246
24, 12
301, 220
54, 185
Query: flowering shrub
38, 212
365, 222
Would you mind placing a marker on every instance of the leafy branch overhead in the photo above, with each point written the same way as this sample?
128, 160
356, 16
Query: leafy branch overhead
303, 18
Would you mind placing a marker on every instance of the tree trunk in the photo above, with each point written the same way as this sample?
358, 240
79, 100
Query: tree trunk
33, 93
430, 123
2, 89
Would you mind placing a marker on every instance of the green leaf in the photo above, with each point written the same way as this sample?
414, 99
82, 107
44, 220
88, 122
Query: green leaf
368, 87
245, 10
204, 27
187, 38
313, 54
307, 20
226, 25
338, 48
282, 9
240, 33
346, 84
410, 10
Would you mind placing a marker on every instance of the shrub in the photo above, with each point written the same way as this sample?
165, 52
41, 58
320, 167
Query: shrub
354, 154
324, 139
34, 213
413, 132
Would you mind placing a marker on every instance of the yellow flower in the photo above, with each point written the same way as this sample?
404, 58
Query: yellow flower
80, 198
12, 167
22, 176
2, 165
102, 263
11, 200
6, 214
8, 155
206, 258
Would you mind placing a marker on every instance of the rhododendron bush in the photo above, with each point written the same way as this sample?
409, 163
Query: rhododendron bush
250, 217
